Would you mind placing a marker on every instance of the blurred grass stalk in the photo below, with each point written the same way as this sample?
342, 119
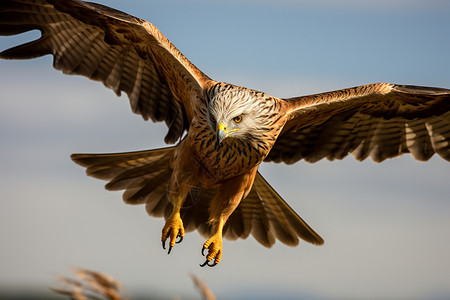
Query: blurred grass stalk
92, 285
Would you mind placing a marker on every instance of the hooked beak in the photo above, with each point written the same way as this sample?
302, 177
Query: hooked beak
222, 132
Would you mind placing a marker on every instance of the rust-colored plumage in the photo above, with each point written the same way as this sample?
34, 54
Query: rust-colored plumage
209, 181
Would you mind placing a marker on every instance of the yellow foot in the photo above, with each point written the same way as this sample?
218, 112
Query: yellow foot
173, 229
214, 246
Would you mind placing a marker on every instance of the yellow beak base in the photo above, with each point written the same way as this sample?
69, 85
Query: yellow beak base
222, 132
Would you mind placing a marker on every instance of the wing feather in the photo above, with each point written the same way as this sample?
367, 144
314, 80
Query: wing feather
377, 120
418, 140
439, 131
126, 53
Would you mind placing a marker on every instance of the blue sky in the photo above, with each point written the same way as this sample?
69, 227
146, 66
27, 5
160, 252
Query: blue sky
385, 226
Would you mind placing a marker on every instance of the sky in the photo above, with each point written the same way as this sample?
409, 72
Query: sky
386, 226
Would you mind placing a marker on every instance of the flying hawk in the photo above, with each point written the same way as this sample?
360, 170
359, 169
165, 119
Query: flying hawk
210, 181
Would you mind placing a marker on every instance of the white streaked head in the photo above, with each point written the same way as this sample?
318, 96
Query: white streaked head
239, 113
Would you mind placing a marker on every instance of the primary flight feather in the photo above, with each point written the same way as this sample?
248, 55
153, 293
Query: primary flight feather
210, 181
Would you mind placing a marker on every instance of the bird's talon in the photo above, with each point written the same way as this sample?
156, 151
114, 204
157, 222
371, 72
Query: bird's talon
180, 240
204, 264
213, 264
207, 263
172, 230
203, 251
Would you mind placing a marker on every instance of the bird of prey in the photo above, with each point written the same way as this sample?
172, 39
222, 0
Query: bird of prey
209, 181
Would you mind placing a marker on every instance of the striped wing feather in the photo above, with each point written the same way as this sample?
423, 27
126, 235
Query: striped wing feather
124, 52
377, 120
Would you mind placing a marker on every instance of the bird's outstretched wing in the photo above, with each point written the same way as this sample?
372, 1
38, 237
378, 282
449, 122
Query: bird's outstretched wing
378, 120
124, 52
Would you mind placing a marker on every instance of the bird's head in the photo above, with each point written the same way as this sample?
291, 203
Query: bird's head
239, 113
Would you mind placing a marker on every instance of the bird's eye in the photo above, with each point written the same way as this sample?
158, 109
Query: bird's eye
211, 118
237, 119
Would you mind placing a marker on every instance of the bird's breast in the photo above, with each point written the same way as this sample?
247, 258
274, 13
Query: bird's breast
219, 162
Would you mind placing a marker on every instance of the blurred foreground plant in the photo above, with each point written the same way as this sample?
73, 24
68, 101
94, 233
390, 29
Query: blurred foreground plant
91, 285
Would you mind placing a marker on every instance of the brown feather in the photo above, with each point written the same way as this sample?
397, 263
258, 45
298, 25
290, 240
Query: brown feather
377, 120
124, 52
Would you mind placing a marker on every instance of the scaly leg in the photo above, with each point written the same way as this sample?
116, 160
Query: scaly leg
221, 207
174, 228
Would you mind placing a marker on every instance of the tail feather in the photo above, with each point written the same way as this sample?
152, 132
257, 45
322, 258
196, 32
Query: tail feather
266, 216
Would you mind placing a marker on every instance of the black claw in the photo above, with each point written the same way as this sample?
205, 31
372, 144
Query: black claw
203, 251
204, 264
170, 249
164, 245
213, 264
180, 240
